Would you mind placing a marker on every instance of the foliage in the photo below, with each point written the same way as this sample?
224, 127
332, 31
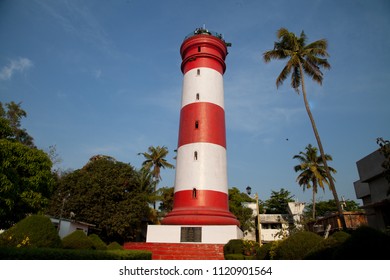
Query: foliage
297, 245
237, 206
234, 246
313, 173
278, 202
240, 249
264, 252
10, 124
155, 160
35, 231
77, 240
166, 195
385, 151
325, 249
69, 254
325, 207
114, 246
365, 243
26, 181
98, 244
106, 193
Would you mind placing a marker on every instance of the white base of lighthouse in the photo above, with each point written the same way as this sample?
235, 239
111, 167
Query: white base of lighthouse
219, 234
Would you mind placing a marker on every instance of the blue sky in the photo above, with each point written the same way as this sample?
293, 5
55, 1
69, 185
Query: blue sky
103, 77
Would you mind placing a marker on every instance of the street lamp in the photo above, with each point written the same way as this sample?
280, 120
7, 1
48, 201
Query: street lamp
249, 191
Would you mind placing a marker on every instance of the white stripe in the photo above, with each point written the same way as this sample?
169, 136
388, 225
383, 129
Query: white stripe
209, 86
207, 172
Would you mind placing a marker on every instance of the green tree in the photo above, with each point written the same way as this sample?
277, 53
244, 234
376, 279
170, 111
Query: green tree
325, 207
304, 59
166, 195
244, 214
26, 181
106, 193
312, 172
154, 161
10, 125
278, 202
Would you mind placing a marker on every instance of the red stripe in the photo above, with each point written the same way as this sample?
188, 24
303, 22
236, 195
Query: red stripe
211, 124
201, 198
208, 62
203, 208
203, 51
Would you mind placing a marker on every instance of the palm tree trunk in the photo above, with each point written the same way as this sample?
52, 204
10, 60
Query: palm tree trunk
332, 186
314, 202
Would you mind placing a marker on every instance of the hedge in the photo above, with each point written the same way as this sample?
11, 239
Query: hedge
69, 254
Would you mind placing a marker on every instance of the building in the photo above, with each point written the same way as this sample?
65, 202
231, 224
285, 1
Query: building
276, 226
67, 226
373, 189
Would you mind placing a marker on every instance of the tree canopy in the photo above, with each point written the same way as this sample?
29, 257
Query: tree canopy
106, 193
237, 206
278, 202
26, 180
329, 206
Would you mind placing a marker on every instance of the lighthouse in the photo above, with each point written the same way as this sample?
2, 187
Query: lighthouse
201, 210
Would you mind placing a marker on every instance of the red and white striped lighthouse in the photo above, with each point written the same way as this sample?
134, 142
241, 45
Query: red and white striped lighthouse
201, 185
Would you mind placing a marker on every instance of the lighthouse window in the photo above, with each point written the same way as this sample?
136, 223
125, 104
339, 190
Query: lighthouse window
196, 124
197, 96
199, 49
198, 72
195, 155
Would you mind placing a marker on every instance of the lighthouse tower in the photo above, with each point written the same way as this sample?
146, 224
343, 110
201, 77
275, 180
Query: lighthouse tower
201, 190
201, 185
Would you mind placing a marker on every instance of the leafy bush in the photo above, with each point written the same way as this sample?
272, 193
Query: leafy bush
77, 240
365, 243
296, 246
234, 246
114, 246
68, 254
238, 257
325, 249
35, 231
240, 249
98, 244
264, 252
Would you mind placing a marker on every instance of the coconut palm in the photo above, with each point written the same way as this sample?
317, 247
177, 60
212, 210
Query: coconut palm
313, 174
154, 161
304, 59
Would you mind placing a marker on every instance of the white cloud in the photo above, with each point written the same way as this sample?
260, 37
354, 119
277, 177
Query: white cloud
18, 65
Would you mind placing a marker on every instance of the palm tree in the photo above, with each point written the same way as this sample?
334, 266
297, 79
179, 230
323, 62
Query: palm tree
313, 173
304, 59
154, 161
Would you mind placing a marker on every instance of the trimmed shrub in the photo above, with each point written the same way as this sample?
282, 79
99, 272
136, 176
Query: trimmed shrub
77, 240
365, 243
98, 244
263, 253
68, 254
238, 257
234, 246
325, 249
240, 249
35, 231
297, 246
114, 246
